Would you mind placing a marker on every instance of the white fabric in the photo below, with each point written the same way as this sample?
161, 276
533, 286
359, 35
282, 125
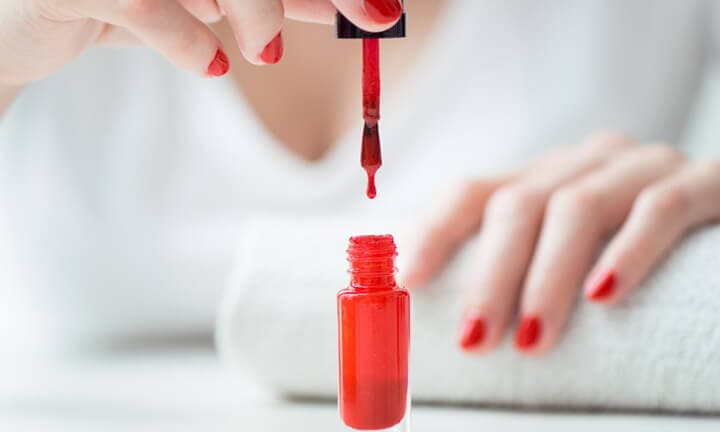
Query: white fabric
658, 351
126, 183
188, 391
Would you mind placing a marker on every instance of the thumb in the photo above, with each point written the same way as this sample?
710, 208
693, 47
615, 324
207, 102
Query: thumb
206, 11
371, 15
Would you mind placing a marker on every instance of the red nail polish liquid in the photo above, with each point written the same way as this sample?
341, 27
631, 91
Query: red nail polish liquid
373, 339
371, 81
371, 158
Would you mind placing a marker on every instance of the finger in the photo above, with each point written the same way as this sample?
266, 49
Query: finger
371, 15
578, 216
117, 37
257, 26
512, 223
463, 219
659, 218
315, 11
450, 232
206, 11
167, 27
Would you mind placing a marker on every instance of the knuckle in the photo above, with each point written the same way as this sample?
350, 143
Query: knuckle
138, 9
187, 42
274, 9
464, 197
664, 201
711, 167
467, 199
574, 200
469, 190
667, 153
512, 201
47, 9
607, 139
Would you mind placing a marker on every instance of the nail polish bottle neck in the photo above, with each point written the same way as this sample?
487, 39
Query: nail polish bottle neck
372, 263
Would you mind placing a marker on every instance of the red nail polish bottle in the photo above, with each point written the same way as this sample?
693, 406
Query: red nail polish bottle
373, 339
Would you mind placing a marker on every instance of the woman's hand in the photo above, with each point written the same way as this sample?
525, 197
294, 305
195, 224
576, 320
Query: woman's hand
37, 37
543, 227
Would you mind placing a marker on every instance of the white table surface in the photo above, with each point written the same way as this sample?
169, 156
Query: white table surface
180, 390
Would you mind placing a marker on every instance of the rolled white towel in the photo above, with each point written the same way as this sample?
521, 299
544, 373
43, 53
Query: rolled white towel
659, 350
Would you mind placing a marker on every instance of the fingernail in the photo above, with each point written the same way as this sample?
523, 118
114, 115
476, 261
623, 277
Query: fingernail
273, 51
473, 332
220, 64
528, 333
383, 11
603, 287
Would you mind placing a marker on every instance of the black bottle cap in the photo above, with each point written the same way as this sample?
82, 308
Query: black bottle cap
347, 30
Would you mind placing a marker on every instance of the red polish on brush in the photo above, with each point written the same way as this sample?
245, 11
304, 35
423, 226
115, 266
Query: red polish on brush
373, 339
371, 155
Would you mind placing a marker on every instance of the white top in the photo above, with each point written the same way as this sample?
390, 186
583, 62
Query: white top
125, 182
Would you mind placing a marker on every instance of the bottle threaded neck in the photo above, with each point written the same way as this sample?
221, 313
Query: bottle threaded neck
372, 261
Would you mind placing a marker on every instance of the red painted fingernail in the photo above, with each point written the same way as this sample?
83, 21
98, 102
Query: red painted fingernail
273, 51
473, 333
603, 287
383, 11
528, 333
220, 64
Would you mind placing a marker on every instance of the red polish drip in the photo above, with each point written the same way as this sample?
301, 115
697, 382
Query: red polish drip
371, 157
373, 338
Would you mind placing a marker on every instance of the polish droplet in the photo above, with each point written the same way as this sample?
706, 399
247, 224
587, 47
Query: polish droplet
371, 189
371, 157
